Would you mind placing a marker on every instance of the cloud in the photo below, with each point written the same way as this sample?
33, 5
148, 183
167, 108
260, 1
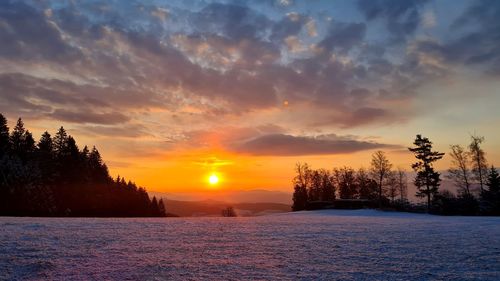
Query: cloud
288, 145
101, 63
401, 18
429, 19
343, 36
476, 45
89, 117
26, 34
124, 131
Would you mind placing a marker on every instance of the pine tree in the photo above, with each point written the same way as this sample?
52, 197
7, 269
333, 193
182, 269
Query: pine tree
60, 140
17, 137
161, 207
4, 136
45, 144
493, 181
427, 180
490, 198
155, 210
29, 143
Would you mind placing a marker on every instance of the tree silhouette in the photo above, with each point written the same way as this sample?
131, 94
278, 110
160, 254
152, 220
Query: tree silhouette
4, 136
402, 183
460, 171
367, 187
392, 183
327, 186
56, 178
479, 164
490, 198
229, 212
345, 180
300, 183
427, 180
380, 169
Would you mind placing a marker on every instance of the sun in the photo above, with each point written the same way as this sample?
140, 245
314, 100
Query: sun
213, 179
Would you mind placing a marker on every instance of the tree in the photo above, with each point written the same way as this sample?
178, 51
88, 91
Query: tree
60, 141
54, 178
460, 171
327, 186
229, 212
155, 209
392, 183
22, 142
161, 208
300, 183
314, 191
367, 187
479, 164
346, 181
427, 180
490, 198
45, 144
98, 170
402, 184
380, 169
4, 136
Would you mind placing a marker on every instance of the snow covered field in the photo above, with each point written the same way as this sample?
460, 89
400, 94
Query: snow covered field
328, 245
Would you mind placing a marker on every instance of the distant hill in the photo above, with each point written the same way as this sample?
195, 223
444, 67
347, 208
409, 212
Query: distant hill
235, 196
214, 208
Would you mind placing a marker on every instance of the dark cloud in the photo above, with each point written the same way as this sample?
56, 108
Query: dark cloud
343, 36
288, 145
89, 117
233, 21
400, 17
289, 25
217, 60
478, 42
26, 34
126, 131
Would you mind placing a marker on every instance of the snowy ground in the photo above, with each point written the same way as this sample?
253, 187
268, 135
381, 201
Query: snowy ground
323, 245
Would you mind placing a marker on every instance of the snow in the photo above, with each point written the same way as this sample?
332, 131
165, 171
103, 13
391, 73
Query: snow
321, 245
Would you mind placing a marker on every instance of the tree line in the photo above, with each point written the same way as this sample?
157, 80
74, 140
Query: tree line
53, 177
387, 187
379, 183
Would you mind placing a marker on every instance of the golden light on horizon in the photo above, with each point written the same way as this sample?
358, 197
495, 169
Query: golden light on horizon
213, 179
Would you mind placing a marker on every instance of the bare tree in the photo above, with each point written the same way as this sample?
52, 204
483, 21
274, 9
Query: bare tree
402, 183
229, 212
367, 187
346, 182
327, 185
315, 186
460, 172
392, 185
301, 181
380, 168
479, 164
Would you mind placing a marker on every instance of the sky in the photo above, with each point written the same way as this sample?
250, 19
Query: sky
173, 91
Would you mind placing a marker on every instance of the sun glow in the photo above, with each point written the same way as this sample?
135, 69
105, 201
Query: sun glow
213, 179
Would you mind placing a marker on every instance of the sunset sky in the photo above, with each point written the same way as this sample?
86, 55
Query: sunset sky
173, 91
